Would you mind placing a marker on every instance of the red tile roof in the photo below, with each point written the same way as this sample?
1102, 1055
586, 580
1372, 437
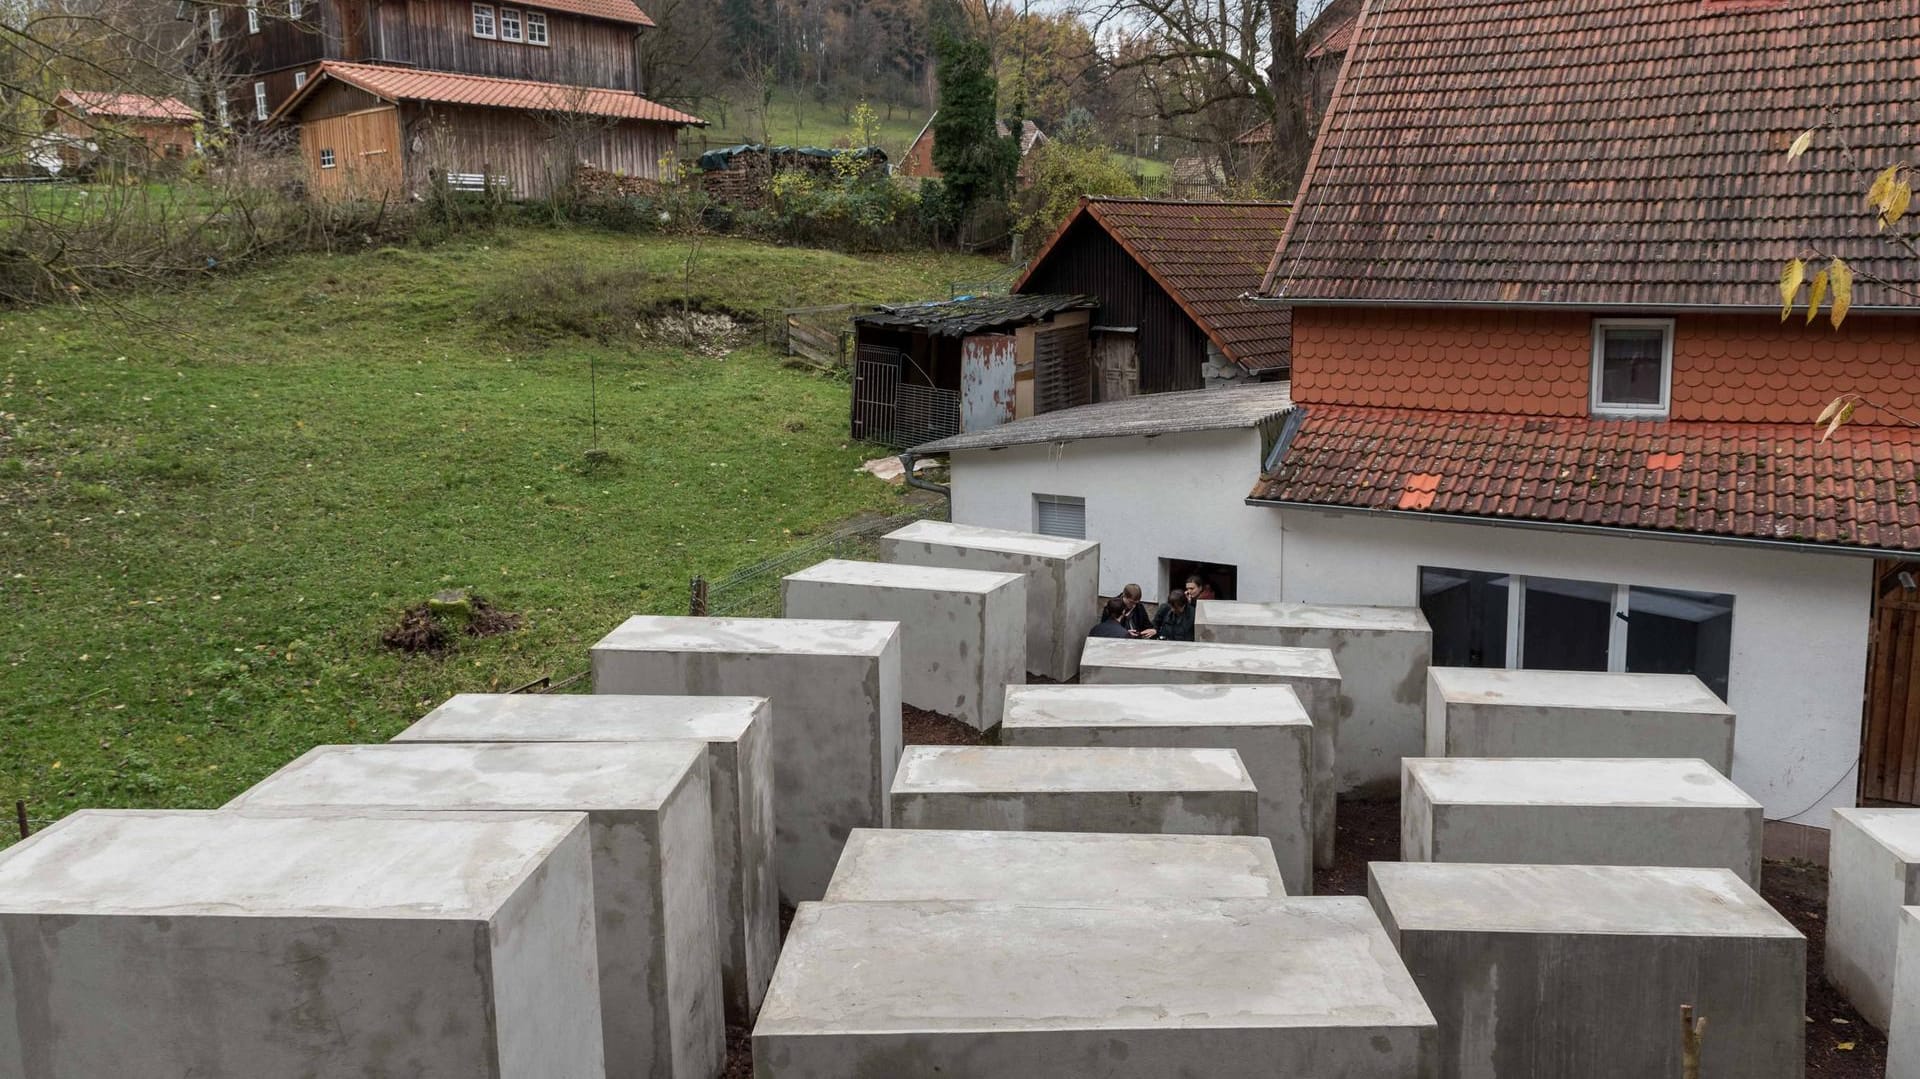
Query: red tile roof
1206, 255
127, 106
1603, 152
449, 88
613, 10
1735, 481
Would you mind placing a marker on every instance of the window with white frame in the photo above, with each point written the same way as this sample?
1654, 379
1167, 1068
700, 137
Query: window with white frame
1483, 619
536, 28
509, 24
294, 9
259, 100
220, 110
253, 18
326, 158
1060, 515
1632, 366
483, 21
213, 24
299, 79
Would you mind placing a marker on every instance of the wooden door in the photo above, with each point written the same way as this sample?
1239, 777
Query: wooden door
1890, 740
355, 156
1117, 359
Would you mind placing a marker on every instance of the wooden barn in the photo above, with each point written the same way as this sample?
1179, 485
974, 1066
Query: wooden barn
1171, 278
371, 130
131, 130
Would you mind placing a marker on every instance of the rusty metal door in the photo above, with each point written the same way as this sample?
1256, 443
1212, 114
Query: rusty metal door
986, 380
1890, 737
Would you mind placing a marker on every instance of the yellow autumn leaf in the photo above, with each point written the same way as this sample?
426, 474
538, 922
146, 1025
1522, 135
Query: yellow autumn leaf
1844, 1047
1841, 281
1800, 144
1791, 276
1882, 184
1839, 420
1816, 292
1826, 414
1898, 201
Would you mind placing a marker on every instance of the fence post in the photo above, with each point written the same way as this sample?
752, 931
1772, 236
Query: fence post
20, 815
697, 597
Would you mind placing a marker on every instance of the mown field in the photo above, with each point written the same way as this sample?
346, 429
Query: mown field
212, 503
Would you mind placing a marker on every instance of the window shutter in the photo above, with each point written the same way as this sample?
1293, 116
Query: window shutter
1059, 516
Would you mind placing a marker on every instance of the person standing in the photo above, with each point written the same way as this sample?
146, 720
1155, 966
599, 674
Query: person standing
1138, 621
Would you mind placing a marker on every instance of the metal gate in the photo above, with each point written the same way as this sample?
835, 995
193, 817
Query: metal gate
876, 392
1890, 738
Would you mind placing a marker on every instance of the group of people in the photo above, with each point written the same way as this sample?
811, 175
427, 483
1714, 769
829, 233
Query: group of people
1126, 615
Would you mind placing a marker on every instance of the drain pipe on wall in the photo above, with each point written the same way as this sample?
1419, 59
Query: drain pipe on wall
906, 463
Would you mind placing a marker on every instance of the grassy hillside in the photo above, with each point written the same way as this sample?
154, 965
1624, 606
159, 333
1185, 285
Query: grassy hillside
209, 515
798, 120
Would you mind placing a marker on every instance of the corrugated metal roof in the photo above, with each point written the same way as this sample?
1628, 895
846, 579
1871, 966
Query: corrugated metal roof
1223, 409
973, 314
613, 10
452, 88
128, 106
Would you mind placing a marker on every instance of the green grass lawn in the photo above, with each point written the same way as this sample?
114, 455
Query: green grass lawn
798, 120
209, 513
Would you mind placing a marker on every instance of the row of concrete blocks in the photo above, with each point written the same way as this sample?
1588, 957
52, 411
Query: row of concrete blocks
982, 954
1873, 924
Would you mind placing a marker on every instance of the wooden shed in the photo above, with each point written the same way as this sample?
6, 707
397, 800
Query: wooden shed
124, 129
368, 130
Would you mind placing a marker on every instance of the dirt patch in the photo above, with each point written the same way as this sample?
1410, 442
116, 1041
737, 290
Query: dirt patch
1798, 891
923, 728
1363, 832
424, 631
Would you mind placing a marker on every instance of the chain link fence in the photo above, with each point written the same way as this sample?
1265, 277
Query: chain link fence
754, 591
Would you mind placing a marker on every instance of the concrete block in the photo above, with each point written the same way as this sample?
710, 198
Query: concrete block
1267, 725
963, 633
739, 739
652, 828
1903, 1035
1579, 972
1873, 870
1063, 580
1034, 789
1383, 654
835, 688
1474, 712
1581, 811
1133, 989
905, 864
1310, 671
176, 943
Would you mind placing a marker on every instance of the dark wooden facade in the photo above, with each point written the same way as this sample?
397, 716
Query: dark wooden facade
1171, 347
1890, 736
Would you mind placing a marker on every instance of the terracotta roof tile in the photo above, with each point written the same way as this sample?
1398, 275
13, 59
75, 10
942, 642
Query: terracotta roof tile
1619, 152
612, 10
127, 106
450, 88
1738, 481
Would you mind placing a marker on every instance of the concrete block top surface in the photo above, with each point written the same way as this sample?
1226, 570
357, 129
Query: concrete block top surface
1010, 966
480, 776
1153, 705
1896, 829
992, 539
211, 863
883, 864
1048, 769
1223, 612
1255, 659
585, 717
897, 575
789, 636
1582, 781
1638, 900
1577, 689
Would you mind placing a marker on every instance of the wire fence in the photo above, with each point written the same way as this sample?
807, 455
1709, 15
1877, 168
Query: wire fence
754, 591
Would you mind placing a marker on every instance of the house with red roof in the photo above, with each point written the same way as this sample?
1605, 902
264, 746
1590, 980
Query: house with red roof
137, 130
1541, 381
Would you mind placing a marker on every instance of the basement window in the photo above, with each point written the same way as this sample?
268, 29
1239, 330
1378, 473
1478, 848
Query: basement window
1060, 515
483, 21
536, 28
509, 24
299, 79
326, 158
1632, 366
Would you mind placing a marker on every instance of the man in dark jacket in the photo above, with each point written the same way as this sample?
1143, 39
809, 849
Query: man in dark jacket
1175, 620
1112, 621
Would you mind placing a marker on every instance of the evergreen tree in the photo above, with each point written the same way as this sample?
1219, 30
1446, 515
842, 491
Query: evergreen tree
976, 163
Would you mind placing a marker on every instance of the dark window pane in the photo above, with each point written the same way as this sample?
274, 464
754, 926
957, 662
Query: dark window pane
1630, 367
1674, 632
1565, 625
1468, 613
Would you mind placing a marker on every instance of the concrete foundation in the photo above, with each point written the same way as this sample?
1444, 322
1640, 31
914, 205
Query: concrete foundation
1030, 789
963, 634
1586, 811
1267, 725
442, 946
1475, 712
1579, 972
737, 732
835, 688
1383, 654
652, 830
896, 864
1873, 871
1063, 580
1135, 989
1310, 671
1903, 1038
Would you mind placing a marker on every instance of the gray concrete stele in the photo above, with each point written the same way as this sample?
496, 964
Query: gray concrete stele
835, 688
1873, 870
739, 740
181, 942
1579, 972
648, 808
1133, 989
1383, 654
1312, 673
1267, 725
1063, 580
1485, 712
1577, 811
1903, 1033
1040, 789
882, 864
963, 633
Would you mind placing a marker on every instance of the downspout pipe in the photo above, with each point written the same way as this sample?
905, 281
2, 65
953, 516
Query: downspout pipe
906, 463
